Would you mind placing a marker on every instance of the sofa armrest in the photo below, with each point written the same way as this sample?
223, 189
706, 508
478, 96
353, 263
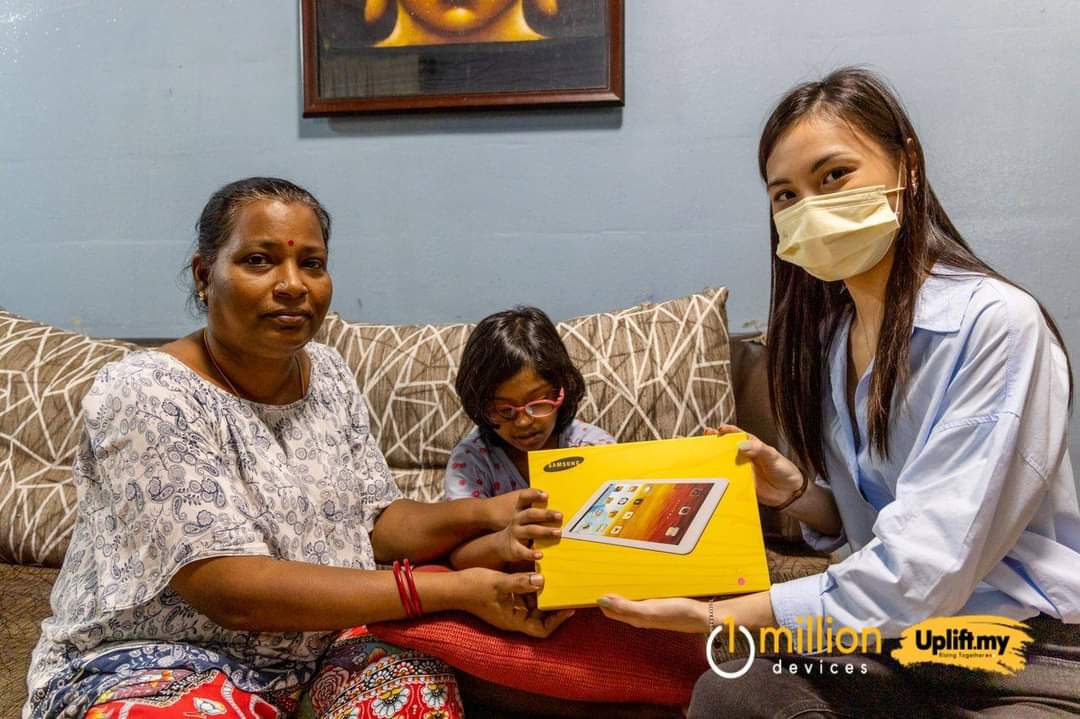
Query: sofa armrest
750, 377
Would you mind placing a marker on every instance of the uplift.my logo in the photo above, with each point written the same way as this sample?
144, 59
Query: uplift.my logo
987, 643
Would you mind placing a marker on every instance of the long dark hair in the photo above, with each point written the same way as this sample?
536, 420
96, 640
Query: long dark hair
499, 347
805, 312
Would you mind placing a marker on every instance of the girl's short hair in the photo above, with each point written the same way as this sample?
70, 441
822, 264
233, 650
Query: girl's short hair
501, 346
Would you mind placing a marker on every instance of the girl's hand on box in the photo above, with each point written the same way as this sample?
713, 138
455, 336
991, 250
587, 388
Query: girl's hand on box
531, 520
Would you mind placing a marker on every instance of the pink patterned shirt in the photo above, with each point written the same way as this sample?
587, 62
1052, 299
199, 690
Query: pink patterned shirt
477, 469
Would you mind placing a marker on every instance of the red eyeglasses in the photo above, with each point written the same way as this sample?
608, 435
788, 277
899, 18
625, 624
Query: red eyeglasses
538, 408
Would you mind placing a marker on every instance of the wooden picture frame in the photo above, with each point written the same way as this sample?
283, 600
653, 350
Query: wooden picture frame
363, 56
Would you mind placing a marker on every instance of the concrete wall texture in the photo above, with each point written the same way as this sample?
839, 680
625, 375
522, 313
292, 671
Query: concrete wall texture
119, 119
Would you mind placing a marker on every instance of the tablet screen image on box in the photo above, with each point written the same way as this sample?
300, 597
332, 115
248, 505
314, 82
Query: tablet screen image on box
665, 515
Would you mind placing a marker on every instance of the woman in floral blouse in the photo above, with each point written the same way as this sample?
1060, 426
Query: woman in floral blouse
233, 504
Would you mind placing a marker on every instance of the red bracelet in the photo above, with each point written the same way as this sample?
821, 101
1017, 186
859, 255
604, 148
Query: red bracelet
412, 589
403, 592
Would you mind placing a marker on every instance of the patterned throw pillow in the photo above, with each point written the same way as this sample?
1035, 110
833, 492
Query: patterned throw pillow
652, 371
44, 373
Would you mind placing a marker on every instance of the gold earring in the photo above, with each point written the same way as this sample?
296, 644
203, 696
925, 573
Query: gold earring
202, 296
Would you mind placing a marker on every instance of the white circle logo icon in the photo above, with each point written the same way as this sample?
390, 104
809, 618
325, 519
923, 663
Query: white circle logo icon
712, 662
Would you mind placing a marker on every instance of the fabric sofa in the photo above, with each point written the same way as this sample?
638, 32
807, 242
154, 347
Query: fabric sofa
652, 371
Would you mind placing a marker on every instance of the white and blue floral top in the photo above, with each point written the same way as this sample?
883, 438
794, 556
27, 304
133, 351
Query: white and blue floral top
171, 470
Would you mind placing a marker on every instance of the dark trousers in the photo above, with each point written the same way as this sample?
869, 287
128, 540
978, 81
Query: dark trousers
876, 685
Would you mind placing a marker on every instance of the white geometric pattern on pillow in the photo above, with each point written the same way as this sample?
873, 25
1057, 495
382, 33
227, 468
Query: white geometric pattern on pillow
44, 373
406, 374
651, 372
656, 371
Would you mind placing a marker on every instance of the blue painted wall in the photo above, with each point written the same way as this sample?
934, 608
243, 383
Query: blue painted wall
119, 118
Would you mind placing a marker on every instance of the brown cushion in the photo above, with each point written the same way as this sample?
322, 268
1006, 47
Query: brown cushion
488, 700
406, 374
750, 375
44, 373
652, 371
24, 602
793, 560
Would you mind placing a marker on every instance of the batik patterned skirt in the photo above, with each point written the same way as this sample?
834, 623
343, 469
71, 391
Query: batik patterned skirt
359, 677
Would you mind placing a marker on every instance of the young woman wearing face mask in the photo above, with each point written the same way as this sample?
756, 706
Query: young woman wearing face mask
927, 398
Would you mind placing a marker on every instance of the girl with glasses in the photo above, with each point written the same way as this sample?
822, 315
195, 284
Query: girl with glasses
518, 384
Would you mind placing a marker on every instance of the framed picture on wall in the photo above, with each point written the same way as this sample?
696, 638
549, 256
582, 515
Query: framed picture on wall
385, 55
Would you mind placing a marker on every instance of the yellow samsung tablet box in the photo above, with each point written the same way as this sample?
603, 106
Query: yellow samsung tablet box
670, 518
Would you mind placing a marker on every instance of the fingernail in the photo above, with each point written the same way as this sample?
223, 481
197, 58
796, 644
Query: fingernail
538, 555
557, 516
556, 532
744, 445
604, 602
537, 580
542, 494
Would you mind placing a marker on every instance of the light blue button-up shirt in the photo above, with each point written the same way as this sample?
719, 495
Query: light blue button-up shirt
975, 510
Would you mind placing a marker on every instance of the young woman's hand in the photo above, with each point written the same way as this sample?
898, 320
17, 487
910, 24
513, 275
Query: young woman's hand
776, 478
752, 611
676, 614
499, 599
531, 520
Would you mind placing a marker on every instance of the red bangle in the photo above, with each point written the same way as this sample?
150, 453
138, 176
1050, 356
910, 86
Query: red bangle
403, 592
412, 589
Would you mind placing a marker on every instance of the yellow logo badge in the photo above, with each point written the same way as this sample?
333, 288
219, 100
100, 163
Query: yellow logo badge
982, 642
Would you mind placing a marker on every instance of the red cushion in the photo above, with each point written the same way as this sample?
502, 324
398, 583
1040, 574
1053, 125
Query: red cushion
589, 658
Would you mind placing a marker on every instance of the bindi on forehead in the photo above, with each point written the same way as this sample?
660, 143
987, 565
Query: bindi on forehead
291, 243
